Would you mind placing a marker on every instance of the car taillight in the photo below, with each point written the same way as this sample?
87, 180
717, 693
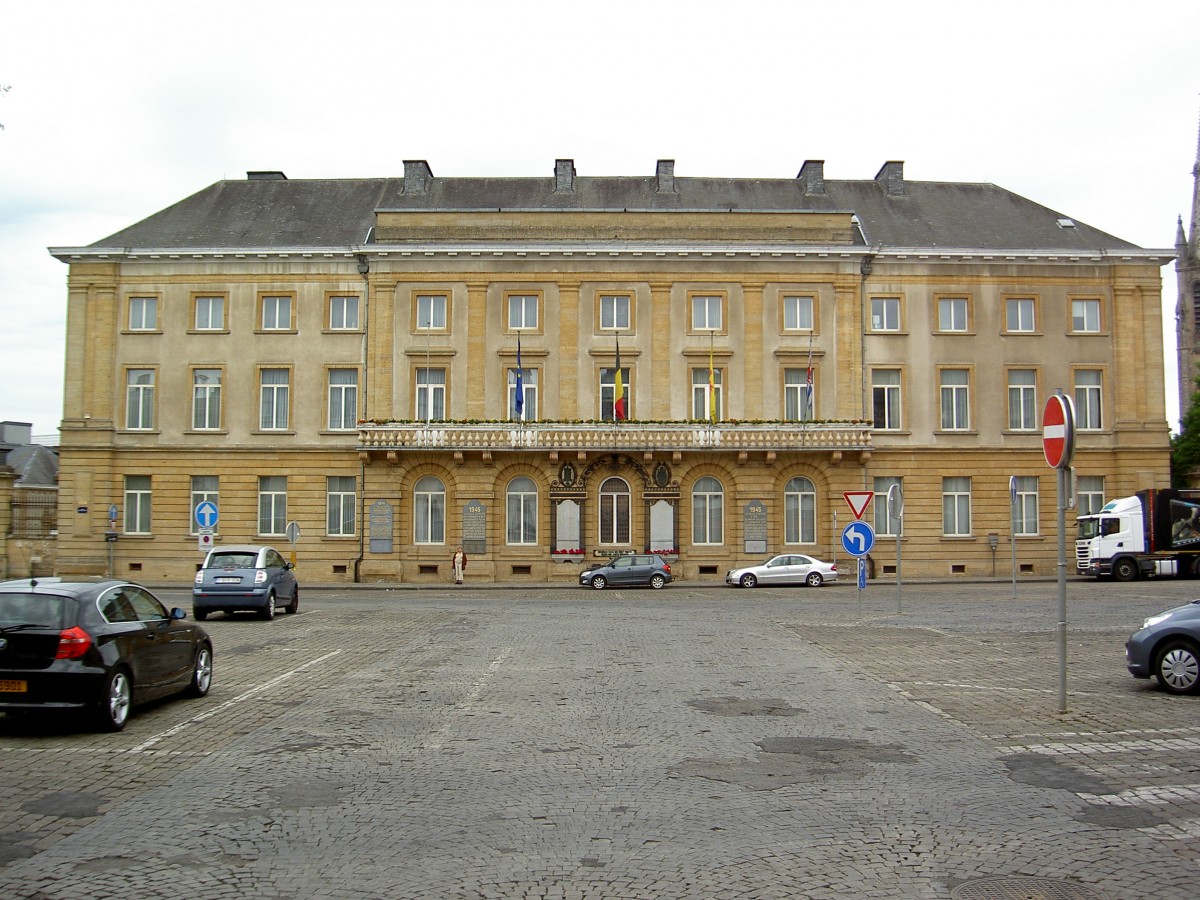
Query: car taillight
833, 566
260, 577
73, 643
667, 566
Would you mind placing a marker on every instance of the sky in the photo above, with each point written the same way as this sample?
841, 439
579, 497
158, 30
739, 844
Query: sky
118, 109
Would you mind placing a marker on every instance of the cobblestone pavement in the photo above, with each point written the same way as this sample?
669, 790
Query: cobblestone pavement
691, 742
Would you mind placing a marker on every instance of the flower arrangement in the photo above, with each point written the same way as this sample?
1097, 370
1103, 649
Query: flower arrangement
572, 551
673, 551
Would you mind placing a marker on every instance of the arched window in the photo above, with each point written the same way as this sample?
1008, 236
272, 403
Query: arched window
708, 511
429, 511
799, 512
521, 511
614, 511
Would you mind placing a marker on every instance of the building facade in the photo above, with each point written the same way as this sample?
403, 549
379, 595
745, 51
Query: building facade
1187, 312
401, 366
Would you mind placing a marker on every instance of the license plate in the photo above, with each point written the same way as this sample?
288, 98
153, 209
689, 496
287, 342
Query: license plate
13, 686
229, 580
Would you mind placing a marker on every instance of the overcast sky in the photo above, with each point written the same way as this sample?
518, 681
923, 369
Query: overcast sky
119, 109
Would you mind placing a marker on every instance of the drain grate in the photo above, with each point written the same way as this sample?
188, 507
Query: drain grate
1024, 889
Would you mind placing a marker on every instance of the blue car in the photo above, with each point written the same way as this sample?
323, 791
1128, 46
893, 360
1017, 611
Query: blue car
244, 578
1168, 647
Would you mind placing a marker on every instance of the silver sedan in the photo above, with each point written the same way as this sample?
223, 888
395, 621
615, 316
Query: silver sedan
788, 568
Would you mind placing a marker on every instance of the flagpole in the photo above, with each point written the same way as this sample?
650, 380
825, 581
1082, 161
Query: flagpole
712, 383
808, 387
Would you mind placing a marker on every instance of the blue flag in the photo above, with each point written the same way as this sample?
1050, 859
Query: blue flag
519, 396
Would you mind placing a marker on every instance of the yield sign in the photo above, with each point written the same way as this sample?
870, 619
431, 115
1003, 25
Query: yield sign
858, 501
1058, 431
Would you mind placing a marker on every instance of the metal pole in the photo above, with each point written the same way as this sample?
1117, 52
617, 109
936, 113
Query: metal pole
1062, 591
899, 601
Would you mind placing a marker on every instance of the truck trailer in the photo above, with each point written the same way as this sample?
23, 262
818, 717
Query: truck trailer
1154, 532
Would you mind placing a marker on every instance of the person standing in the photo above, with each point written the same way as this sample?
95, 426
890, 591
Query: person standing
460, 565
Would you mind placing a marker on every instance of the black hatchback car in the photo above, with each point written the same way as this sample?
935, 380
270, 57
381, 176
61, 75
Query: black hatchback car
96, 647
631, 569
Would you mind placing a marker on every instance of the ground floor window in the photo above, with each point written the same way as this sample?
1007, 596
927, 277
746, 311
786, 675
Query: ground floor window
429, 511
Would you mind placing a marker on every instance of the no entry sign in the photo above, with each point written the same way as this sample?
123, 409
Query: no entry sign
1058, 431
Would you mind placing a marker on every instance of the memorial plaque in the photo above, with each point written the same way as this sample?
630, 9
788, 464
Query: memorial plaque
381, 527
474, 528
567, 526
754, 526
662, 526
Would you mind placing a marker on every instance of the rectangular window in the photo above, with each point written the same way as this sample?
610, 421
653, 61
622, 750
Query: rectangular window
608, 392
343, 313
274, 395
529, 395
614, 312
1022, 400
431, 395
885, 525
137, 504
706, 313
277, 313
431, 312
956, 506
956, 399
210, 313
885, 313
1026, 513
204, 487
1089, 494
1088, 383
797, 313
272, 504
885, 398
952, 314
1085, 316
706, 398
139, 399
343, 399
206, 399
522, 312
1020, 314
143, 313
798, 396
340, 505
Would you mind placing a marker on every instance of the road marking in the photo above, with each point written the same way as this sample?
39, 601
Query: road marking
216, 710
470, 698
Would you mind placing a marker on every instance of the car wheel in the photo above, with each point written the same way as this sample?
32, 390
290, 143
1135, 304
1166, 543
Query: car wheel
201, 672
599, 582
748, 580
814, 579
115, 705
1125, 569
295, 604
657, 581
268, 611
1177, 667
199, 615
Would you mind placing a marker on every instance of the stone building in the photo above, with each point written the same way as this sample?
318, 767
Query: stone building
348, 356
1187, 313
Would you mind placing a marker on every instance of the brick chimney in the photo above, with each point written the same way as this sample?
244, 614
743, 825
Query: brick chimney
564, 176
812, 177
417, 176
665, 176
891, 178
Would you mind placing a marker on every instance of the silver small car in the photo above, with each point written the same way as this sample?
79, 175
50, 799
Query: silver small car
244, 577
787, 568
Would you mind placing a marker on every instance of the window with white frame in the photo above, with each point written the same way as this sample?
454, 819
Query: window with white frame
529, 395
885, 525
274, 395
206, 399
276, 313
343, 313
1020, 314
143, 313
1026, 512
706, 397
953, 314
955, 399
521, 507
706, 312
431, 312
431, 395
956, 506
343, 399
210, 313
708, 511
204, 488
885, 313
608, 392
522, 312
272, 504
1088, 384
798, 396
614, 511
341, 503
139, 399
885, 398
614, 312
799, 511
1089, 494
429, 511
797, 313
137, 504
1085, 316
1022, 400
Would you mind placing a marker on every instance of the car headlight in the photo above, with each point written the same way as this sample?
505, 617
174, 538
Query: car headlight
1154, 620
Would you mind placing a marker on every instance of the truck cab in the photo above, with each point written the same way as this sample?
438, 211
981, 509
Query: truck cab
1110, 542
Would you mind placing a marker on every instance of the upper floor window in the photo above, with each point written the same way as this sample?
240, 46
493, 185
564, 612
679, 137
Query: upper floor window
614, 312
343, 399
956, 399
706, 394
953, 314
274, 390
520, 511
708, 511
610, 386
139, 399
1020, 314
277, 313
798, 395
1085, 316
797, 313
528, 411
431, 395
143, 313
206, 399
706, 312
1022, 400
210, 313
885, 314
522, 312
799, 511
431, 312
343, 313
885, 398
1088, 395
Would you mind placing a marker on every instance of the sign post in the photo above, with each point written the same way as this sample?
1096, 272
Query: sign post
857, 539
293, 534
1058, 444
895, 511
1012, 527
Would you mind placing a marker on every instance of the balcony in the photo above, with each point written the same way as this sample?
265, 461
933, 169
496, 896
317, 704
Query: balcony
606, 437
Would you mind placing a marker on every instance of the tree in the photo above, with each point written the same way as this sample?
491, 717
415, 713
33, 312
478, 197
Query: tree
1185, 446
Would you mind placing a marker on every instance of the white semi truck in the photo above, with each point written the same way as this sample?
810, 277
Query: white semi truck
1154, 532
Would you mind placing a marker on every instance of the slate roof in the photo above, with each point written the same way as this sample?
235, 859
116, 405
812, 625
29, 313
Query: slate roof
339, 213
34, 464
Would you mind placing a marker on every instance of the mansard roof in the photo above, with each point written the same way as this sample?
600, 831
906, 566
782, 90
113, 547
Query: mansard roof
269, 211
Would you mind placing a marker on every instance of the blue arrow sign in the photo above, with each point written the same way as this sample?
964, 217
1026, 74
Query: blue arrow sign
858, 538
206, 514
